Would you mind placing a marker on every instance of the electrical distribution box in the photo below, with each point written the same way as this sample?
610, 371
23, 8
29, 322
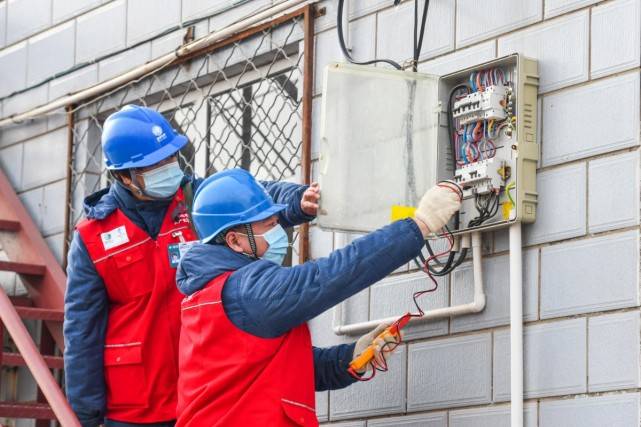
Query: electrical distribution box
387, 136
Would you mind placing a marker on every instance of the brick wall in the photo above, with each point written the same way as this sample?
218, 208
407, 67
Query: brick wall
581, 261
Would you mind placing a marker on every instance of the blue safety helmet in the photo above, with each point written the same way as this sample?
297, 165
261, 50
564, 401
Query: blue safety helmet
229, 198
136, 136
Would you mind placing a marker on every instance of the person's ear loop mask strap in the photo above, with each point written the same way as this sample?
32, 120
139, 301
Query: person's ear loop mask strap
132, 176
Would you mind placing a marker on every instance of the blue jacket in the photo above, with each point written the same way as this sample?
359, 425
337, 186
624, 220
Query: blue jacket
266, 299
86, 300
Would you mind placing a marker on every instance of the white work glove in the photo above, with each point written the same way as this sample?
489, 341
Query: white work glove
379, 344
437, 206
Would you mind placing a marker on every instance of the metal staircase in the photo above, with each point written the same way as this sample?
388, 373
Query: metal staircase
30, 257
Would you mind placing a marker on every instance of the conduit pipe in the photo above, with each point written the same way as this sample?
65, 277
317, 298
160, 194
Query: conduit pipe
156, 64
516, 326
474, 307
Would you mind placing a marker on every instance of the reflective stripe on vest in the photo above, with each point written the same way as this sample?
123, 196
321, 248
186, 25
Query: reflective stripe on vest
141, 343
231, 378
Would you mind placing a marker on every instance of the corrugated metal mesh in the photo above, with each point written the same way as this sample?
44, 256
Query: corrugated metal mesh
240, 105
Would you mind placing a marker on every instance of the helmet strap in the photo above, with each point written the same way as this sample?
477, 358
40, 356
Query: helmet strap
252, 241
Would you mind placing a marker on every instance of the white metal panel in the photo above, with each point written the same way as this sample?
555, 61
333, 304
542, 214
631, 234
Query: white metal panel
378, 144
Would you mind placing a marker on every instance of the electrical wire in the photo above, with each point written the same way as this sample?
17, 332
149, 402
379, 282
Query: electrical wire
419, 34
341, 42
418, 44
379, 364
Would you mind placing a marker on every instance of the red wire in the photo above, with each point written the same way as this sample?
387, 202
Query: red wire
381, 365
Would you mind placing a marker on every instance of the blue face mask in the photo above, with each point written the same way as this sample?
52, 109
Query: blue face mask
278, 244
163, 182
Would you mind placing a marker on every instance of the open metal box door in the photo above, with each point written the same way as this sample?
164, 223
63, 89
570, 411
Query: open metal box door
378, 147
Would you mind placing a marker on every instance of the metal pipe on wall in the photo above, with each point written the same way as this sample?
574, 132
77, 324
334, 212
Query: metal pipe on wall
516, 326
155, 64
474, 307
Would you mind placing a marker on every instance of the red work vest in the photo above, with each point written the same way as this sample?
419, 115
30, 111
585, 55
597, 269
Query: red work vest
143, 327
230, 378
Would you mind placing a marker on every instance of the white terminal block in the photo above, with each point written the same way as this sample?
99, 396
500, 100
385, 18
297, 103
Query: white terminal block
480, 177
486, 105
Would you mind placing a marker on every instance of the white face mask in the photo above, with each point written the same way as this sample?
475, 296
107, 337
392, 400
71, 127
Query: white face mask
278, 242
163, 182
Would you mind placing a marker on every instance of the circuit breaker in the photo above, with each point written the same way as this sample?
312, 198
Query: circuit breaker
387, 136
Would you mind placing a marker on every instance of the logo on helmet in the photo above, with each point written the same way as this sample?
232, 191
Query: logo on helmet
158, 133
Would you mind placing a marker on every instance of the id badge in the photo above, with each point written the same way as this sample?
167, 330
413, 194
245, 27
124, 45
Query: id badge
176, 251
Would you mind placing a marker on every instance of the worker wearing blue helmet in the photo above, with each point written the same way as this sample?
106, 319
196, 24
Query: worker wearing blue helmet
122, 308
245, 352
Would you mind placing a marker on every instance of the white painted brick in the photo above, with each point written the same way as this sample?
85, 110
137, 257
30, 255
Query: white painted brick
554, 360
73, 82
394, 37
322, 333
46, 159
357, 9
590, 275
65, 9
51, 52
616, 37
610, 204
22, 131
347, 424
356, 308
561, 210
496, 275
101, 31
322, 405
57, 120
433, 419
25, 17
450, 372
145, 20
620, 410
328, 50
170, 42
321, 242
53, 208
328, 20
3, 22
613, 352
560, 46
26, 100
558, 7
383, 395
493, 416
501, 240
460, 59
596, 118
129, 59
474, 23
236, 13
32, 201
196, 8
13, 68
11, 162
393, 297
8, 282
364, 7
56, 244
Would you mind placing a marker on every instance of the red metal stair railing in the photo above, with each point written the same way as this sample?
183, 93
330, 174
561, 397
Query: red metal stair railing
30, 257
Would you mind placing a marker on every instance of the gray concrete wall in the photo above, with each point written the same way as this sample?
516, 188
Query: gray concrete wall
581, 278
